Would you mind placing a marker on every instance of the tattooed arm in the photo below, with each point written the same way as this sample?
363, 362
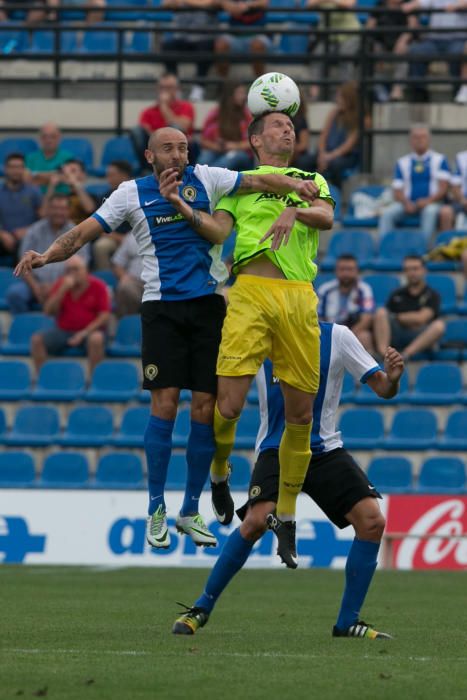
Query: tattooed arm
62, 248
279, 184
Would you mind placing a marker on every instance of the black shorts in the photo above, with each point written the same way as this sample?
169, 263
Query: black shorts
334, 481
180, 342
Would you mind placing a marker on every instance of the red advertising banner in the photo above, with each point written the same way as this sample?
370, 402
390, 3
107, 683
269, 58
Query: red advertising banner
426, 532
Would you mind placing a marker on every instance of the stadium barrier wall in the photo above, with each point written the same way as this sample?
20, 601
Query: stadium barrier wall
108, 528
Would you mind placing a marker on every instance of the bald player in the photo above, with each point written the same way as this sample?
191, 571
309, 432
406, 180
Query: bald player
182, 309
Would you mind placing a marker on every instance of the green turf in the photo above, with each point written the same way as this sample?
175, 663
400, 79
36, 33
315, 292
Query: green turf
86, 634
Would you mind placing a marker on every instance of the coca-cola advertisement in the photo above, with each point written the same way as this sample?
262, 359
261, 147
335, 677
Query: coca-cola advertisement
426, 532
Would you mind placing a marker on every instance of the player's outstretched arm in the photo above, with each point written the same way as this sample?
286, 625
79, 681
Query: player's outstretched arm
62, 248
386, 384
307, 190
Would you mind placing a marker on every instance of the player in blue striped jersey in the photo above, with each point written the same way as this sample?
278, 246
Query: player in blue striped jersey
334, 480
183, 308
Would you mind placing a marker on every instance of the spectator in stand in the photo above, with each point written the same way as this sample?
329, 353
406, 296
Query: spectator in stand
81, 306
26, 292
410, 322
73, 175
224, 138
436, 42
46, 161
338, 141
199, 13
127, 266
346, 44
390, 42
461, 97
104, 247
20, 203
46, 10
455, 214
301, 158
244, 13
348, 300
421, 182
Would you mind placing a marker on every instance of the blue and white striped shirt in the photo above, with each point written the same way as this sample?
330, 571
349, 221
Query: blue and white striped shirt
419, 176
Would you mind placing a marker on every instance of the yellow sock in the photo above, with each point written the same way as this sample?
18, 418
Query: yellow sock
224, 435
294, 458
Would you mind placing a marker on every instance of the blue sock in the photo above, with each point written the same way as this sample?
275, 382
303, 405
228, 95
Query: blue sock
158, 448
359, 570
199, 453
233, 556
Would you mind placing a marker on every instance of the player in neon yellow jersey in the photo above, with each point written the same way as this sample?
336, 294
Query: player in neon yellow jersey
271, 313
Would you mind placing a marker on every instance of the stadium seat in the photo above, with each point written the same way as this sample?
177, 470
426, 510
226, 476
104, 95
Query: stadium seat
132, 428
383, 286
181, 428
395, 245
455, 433
442, 475
65, 470
34, 426
6, 278
442, 239
162, 16
412, 429
321, 278
124, 15
98, 191
13, 41
357, 243
99, 41
361, 428
113, 380
241, 473
176, 475
337, 197
350, 219
22, 145
367, 396
2, 424
446, 288
439, 384
391, 474
81, 149
22, 328
247, 429
15, 380
119, 470
88, 426
138, 42
59, 380
118, 148
462, 307
106, 276
127, 341
43, 41
16, 470
454, 341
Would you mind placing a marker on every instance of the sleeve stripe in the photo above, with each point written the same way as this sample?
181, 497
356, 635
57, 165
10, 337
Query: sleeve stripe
370, 373
103, 223
237, 183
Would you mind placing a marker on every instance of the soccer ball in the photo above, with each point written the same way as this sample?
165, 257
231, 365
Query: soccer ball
273, 92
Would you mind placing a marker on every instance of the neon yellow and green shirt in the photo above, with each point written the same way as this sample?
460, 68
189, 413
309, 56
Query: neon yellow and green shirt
255, 213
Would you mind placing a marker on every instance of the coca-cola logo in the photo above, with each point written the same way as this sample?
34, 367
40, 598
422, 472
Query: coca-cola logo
444, 521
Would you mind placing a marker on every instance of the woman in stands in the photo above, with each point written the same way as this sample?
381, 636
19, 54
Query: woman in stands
224, 138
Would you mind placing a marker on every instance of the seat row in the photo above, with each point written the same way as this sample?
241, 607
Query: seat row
94, 426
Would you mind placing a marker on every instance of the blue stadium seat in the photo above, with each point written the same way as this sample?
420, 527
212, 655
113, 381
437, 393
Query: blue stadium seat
361, 428
163, 16
321, 278
6, 278
445, 265
442, 475
395, 245
59, 380
34, 426
437, 384
462, 307
65, 470
412, 429
349, 394
446, 288
118, 148
247, 429
106, 276
383, 286
99, 41
13, 41
88, 426
98, 191
113, 380
15, 145
181, 428
132, 428
43, 41
454, 341
391, 474
16, 470
15, 380
22, 328
336, 195
138, 42
176, 475
127, 341
241, 473
81, 149
455, 433
119, 470
2, 424
350, 219
357, 243
124, 15
368, 397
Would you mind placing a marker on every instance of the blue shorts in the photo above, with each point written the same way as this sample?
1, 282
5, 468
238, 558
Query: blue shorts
56, 340
241, 44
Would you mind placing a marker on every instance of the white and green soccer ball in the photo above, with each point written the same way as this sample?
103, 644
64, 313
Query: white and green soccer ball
273, 92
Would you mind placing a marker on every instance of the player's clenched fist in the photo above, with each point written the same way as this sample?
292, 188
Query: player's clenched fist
307, 190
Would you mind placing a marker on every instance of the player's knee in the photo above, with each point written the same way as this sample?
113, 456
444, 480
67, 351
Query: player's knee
254, 526
202, 410
371, 528
230, 407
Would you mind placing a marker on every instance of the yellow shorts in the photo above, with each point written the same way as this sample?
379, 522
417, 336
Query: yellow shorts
272, 318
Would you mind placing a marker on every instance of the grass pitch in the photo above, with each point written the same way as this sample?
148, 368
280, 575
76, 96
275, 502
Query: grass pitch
80, 633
